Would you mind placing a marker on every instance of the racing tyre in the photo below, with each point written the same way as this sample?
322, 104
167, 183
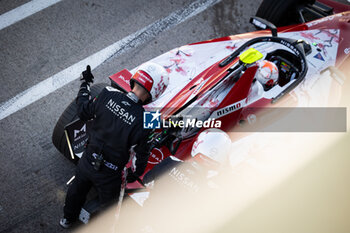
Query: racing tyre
70, 114
281, 12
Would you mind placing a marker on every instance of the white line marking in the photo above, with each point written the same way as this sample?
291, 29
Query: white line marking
21, 12
71, 73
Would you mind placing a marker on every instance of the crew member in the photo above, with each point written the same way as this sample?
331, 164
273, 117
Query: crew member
209, 153
116, 127
173, 176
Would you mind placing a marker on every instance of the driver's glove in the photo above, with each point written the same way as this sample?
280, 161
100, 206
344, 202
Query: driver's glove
87, 76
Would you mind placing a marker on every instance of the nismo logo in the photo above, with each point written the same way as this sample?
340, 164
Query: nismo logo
228, 109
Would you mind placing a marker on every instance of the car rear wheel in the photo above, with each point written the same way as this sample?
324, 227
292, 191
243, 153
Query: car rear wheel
281, 12
70, 114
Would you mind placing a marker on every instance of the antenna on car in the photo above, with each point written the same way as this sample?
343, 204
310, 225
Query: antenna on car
263, 24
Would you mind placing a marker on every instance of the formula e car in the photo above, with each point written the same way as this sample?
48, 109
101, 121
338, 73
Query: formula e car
212, 82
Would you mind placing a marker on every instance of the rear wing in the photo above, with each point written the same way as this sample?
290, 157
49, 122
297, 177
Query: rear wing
121, 80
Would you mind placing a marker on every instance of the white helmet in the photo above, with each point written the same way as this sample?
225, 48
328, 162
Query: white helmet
212, 147
153, 77
267, 73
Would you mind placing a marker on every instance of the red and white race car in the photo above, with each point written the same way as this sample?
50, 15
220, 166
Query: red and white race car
214, 80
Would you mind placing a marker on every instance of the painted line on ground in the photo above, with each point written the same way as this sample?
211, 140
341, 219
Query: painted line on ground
23, 11
73, 72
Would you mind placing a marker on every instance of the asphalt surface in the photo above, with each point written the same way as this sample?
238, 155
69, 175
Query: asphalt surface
33, 173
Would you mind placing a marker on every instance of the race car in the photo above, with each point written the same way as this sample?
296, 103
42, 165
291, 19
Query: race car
212, 83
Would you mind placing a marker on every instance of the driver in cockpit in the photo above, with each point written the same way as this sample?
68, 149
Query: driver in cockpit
265, 78
267, 74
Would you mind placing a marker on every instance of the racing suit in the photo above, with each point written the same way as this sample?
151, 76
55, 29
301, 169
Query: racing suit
117, 126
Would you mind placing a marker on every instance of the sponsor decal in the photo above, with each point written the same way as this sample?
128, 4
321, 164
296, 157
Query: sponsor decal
145, 76
78, 134
313, 23
124, 79
122, 113
319, 56
156, 156
183, 179
126, 103
228, 109
144, 79
80, 145
111, 166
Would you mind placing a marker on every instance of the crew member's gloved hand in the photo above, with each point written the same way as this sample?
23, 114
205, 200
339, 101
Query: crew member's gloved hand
87, 75
131, 177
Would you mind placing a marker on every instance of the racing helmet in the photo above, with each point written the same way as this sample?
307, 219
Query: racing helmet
211, 148
267, 73
152, 77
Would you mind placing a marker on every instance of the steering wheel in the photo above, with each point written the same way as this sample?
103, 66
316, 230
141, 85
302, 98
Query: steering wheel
287, 63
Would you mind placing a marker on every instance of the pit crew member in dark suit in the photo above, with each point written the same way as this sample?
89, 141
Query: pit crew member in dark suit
116, 127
